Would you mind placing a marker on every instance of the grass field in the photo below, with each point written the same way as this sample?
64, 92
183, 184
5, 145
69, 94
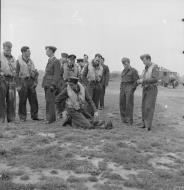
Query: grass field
35, 156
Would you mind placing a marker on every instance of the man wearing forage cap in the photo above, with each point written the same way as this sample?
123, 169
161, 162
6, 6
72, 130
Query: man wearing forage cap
129, 77
50, 83
149, 82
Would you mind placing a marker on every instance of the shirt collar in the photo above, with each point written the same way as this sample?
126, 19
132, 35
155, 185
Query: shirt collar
50, 58
8, 56
26, 60
147, 67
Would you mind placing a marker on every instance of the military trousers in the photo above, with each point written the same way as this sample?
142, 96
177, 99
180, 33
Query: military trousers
148, 104
102, 96
95, 89
50, 105
79, 119
7, 99
27, 92
126, 102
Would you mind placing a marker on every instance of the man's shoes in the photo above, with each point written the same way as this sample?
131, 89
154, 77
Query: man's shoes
37, 119
48, 122
109, 125
101, 108
67, 121
22, 120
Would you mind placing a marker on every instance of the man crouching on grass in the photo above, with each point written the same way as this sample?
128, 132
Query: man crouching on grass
75, 95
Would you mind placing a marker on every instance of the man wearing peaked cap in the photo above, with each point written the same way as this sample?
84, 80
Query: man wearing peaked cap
129, 77
75, 95
52, 48
72, 57
50, 83
150, 90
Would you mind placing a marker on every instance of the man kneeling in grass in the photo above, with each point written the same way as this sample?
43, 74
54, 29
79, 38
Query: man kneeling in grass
75, 96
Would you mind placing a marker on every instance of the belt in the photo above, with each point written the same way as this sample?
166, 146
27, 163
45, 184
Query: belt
126, 83
150, 85
26, 78
9, 76
94, 81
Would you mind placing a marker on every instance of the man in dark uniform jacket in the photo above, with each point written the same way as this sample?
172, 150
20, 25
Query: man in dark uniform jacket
50, 83
129, 78
104, 82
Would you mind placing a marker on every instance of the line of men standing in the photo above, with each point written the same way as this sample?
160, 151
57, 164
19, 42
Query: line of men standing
21, 74
94, 75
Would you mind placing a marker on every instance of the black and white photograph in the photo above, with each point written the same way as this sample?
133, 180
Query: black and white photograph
92, 95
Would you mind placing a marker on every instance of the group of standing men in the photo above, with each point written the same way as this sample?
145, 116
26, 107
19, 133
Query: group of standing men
21, 74
75, 87
129, 81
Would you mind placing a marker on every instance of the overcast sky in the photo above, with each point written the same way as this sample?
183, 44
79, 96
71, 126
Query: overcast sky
114, 28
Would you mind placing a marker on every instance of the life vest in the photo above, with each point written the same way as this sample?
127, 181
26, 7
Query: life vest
26, 69
94, 73
75, 100
147, 74
8, 67
74, 72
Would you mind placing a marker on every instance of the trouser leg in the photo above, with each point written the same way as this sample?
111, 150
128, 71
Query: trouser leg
122, 105
33, 101
11, 102
102, 95
144, 95
96, 95
150, 106
50, 105
129, 105
2, 101
91, 91
23, 94
79, 120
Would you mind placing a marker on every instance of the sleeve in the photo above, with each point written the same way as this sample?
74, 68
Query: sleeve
84, 74
107, 76
61, 97
57, 73
154, 77
17, 68
89, 100
135, 77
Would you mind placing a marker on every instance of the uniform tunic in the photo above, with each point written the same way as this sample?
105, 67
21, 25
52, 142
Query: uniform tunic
51, 79
128, 85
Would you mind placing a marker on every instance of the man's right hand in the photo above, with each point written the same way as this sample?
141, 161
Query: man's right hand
52, 88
